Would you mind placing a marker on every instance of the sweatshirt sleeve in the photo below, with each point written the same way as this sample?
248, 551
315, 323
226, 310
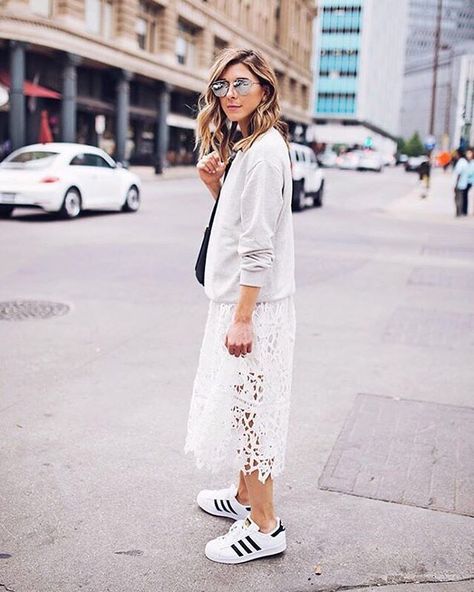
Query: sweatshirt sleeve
260, 207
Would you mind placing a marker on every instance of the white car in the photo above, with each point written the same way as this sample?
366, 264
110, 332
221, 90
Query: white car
328, 158
349, 160
370, 160
66, 179
308, 180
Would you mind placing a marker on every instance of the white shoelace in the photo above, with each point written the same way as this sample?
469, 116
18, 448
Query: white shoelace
235, 532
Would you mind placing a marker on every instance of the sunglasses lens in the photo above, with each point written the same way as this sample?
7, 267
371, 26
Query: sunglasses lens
220, 88
243, 87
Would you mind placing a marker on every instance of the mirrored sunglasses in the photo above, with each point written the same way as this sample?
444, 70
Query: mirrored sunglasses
242, 87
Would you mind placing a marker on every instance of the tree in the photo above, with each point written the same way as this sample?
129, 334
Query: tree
414, 146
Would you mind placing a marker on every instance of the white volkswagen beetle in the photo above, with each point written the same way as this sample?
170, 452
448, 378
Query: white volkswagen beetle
66, 178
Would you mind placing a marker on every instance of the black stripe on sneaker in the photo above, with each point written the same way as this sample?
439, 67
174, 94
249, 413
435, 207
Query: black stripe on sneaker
253, 543
231, 508
238, 551
281, 528
244, 547
217, 506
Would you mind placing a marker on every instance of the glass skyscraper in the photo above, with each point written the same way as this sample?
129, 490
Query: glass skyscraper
339, 53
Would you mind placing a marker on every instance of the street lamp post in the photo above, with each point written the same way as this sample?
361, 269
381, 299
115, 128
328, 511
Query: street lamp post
435, 66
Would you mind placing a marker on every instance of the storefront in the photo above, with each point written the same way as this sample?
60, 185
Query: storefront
96, 108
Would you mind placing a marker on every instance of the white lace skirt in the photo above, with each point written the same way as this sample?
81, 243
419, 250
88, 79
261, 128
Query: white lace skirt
240, 406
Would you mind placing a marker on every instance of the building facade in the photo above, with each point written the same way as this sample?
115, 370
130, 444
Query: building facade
126, 74
457, 27
451, 108
359, 69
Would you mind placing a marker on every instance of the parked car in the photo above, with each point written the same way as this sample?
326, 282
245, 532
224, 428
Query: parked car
370, 160
414, 162
328, 158
66, 179
389, 159
349, 160
308, 180
401, 158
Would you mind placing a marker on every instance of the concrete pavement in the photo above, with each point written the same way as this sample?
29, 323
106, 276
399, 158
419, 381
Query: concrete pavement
95, 492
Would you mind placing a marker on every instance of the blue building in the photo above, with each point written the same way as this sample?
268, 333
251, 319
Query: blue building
359, 61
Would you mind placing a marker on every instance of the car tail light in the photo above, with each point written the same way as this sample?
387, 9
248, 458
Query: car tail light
49, 180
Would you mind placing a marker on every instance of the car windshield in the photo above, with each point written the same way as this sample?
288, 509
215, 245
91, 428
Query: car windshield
29, 159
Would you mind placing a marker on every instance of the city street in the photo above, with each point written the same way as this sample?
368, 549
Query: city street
96, 493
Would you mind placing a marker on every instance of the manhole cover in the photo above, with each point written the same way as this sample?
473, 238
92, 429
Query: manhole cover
23, 310
407, 452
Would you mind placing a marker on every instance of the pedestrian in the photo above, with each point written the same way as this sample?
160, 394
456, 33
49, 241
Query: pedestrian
424, 172
470, 179
239, 409
461, 175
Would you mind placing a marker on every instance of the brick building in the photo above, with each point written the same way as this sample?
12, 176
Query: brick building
126, 74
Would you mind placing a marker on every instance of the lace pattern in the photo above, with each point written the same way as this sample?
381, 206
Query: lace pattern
240, 406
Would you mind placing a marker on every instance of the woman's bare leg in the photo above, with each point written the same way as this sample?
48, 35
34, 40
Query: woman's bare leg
242, 491
261, 501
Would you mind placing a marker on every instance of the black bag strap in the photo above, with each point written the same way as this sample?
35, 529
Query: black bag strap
227, 169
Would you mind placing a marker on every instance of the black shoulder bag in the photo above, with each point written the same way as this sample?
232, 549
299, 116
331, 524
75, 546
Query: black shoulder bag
200, 266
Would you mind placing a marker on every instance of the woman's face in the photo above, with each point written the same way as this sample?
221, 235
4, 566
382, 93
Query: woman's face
239, 108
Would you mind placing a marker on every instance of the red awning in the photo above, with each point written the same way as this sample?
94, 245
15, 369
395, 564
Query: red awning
30, 88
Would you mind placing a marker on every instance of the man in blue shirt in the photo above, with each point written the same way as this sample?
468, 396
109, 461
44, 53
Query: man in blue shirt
461, 176
470, 178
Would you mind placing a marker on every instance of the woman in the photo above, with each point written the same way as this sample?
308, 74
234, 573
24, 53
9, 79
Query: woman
241, 393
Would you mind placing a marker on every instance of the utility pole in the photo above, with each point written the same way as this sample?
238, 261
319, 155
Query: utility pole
435, 65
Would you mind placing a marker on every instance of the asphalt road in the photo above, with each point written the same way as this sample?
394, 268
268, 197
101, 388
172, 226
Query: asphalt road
95, 491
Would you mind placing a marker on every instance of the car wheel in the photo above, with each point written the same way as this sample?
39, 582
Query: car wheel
72, 204
6, 211
298, 201
132, 201
318, 196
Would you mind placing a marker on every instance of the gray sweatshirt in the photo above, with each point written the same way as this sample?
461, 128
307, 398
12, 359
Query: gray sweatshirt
251, 241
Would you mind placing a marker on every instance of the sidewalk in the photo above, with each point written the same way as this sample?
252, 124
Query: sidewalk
437, 206
147, 173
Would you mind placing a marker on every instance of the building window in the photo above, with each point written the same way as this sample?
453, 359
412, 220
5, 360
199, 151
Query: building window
304, 96
336, 103
277, 25
146, 27
41, 7
186, 43
99, 17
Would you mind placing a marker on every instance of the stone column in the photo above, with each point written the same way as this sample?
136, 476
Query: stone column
127, 11
17, 97
122, 114
169, 30
205, 52
162, 130
69, 100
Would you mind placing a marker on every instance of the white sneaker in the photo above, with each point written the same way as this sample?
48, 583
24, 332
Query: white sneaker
222, 502
245, 542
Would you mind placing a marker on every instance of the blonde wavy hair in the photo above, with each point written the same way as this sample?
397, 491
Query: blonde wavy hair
213, 129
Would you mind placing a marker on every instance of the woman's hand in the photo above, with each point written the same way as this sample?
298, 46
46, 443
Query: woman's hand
210, 169
239, 338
